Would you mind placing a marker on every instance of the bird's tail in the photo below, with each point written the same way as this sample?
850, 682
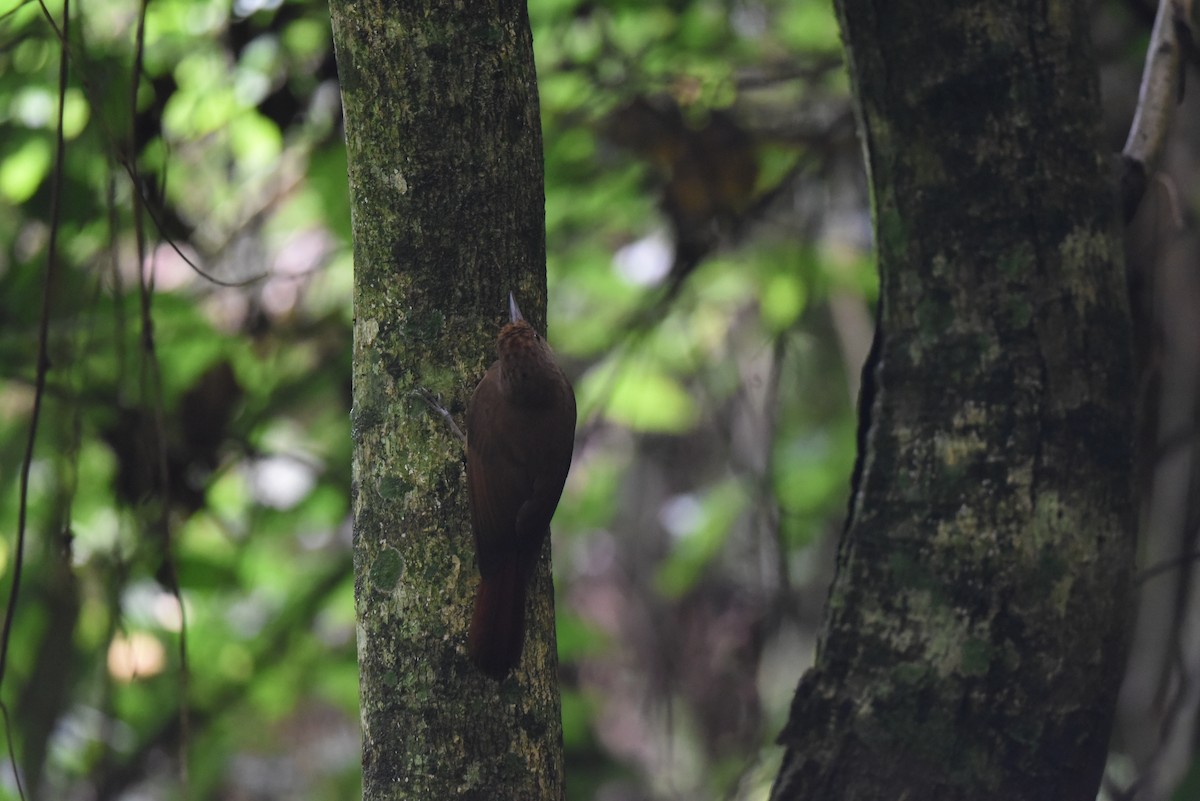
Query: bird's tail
498, 624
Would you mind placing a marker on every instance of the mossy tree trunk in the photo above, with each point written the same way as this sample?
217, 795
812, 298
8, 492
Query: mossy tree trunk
975, 630
445, 162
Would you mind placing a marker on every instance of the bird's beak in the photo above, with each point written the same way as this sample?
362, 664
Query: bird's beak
514, 311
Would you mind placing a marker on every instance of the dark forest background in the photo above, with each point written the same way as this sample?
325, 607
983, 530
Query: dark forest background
711, 287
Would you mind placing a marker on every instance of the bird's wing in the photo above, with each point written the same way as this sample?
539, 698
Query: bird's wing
498, 483
549, 456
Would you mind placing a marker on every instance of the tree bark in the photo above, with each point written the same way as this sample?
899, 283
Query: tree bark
975, 630
445, 163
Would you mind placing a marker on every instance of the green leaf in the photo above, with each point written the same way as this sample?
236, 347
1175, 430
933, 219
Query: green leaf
699, 542
783, 297
23, 171
256, 141
810, 474
640, 397
810, 26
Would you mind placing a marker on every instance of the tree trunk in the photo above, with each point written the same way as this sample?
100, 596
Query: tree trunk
975, 629
445, 163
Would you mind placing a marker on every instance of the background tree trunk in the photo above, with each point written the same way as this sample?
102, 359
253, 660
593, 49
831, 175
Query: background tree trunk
445, 164
975, 630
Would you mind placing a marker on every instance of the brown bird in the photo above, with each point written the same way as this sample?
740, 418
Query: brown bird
520, 436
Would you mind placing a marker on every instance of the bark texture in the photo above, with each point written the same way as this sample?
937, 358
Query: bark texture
445, 163
975, 630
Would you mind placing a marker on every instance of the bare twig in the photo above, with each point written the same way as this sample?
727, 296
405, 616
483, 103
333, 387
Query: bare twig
43, 367
1162, 84
269, 650
1165, 566
128, 160
152, 382
433, 404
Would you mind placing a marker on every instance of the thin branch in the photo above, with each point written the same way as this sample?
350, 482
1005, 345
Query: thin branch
1165, 566
128, 161
43, 367
12, 750
152, 374
270, 649
1162, 85
441, 410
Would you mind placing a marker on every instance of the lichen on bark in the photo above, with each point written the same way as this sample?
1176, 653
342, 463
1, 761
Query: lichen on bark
974, 632
445, 166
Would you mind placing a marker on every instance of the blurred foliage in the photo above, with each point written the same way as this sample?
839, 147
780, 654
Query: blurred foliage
710, 295
710, 287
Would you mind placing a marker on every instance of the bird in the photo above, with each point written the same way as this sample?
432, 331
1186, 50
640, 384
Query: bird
520, 440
